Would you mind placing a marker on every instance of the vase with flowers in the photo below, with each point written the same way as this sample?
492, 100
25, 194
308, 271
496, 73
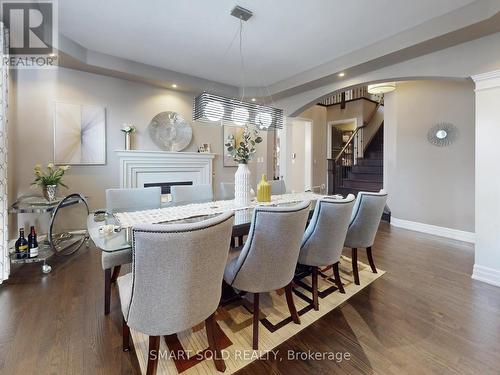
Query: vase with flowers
49, 179
128, 129
242, 149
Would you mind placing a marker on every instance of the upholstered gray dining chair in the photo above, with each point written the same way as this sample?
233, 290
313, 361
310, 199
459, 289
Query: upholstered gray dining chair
324, 238
176, 281
365, 219
191, 193
267, 260
123, 200
277, 187
226, 190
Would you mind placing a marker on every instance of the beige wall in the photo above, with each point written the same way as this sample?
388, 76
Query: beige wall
317, 114
429, 184
33, 93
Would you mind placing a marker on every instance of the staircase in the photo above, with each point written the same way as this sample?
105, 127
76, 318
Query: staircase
367, 173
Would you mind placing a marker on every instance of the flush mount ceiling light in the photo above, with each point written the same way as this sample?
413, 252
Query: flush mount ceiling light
381, 88
213, 108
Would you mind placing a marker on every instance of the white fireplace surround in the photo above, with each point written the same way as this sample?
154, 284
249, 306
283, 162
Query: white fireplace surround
140, 167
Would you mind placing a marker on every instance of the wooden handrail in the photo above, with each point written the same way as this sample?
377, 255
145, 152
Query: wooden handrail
365, 124
348, 143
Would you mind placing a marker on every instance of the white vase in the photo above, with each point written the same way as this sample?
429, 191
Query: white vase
242, 185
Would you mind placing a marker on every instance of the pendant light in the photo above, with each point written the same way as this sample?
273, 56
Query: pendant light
215, 108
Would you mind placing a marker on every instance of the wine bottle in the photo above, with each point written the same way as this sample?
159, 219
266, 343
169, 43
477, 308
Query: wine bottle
32, 243
21, 245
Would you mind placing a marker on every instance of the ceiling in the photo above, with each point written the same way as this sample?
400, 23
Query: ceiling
282, 39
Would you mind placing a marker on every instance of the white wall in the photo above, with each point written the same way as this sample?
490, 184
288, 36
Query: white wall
429, 184
317, 115
487, 255
298, 134
32, 97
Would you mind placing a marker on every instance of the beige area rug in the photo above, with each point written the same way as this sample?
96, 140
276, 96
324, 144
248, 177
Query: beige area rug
189, 355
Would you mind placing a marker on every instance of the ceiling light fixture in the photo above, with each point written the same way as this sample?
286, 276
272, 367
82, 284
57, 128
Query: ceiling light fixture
381, 88
341, 74
213, 107
174, 86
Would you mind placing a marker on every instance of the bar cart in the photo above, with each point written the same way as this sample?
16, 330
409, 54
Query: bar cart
67, 229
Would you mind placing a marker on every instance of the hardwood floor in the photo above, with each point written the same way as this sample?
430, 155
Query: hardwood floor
425, 315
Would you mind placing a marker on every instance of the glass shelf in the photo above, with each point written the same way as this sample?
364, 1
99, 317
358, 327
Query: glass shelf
44, 253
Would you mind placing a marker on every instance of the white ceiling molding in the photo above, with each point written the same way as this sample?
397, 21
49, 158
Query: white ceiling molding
474, 20
487, 81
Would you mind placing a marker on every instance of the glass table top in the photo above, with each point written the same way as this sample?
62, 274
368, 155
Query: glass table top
37, 204
120, 238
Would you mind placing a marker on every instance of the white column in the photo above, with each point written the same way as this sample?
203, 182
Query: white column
487, 254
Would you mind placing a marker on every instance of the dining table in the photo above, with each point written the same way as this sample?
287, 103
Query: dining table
118, 233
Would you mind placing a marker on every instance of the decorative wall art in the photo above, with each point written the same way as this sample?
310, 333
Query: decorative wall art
237, 133
170, 132
79, 134
442, 134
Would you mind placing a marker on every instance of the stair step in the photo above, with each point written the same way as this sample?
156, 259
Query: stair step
375, 155
367, 169
363, 185
377, 177
371, 162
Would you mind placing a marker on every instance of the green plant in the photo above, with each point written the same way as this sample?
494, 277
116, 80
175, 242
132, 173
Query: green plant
51, 176
243, 147
128, 129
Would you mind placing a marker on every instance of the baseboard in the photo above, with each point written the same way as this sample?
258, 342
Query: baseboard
454, 234
486, 275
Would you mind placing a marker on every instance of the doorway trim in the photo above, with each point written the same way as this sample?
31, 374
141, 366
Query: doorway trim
329, 127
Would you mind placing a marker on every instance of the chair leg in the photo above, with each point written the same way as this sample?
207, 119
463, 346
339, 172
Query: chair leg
232, 244
240, 241
116, 273
355, 265
315, 287
255, 343
107, 290
370, 259
154, 346
126, 336
291, 305
210, 326
338, 280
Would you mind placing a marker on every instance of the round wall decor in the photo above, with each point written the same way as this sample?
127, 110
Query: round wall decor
442, 134
170, 132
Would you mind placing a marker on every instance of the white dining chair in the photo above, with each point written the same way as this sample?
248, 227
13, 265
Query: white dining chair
324, 239
124, 200
176, 282
191, 193
365, 219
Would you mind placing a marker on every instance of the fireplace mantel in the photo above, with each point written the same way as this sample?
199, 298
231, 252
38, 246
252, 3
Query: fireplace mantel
138, 167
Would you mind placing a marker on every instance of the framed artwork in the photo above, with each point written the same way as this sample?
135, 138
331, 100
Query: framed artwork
237, 132
79, 134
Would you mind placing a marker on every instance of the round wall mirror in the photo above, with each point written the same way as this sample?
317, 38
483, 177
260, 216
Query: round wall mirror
442, 134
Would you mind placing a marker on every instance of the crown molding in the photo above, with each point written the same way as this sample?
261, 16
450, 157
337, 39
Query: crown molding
486, 81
